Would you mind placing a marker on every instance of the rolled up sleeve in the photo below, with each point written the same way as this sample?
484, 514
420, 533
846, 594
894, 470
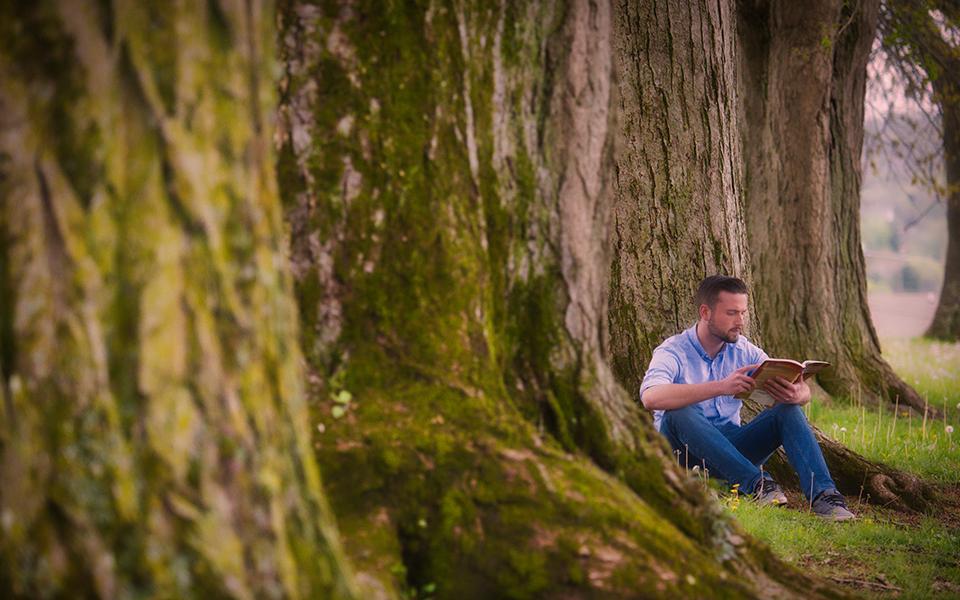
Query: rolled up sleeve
664, 368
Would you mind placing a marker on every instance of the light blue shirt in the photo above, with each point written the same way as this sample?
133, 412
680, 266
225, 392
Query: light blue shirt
682, 359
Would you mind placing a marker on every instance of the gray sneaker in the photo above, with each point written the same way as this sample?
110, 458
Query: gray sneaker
830, 505
768, 492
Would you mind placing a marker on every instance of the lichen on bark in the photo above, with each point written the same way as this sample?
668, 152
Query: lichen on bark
448, 196
153, 435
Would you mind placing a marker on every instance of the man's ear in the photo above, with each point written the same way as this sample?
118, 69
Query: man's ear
704, 312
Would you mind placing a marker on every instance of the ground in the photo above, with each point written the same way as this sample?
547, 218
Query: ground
885, 553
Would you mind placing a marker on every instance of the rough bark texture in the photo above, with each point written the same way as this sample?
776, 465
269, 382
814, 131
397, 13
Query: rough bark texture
444, 168
802, 106
153, 437
678, 191
803, 76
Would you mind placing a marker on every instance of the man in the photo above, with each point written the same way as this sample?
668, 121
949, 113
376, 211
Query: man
690, 387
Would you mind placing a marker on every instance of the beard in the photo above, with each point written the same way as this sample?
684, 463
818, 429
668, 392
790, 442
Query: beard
730, 336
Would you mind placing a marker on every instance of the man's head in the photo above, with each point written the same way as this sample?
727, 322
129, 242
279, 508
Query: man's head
722, 305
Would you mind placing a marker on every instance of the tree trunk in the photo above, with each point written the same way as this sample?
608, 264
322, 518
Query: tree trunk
153, 435
946, 87
946, 319
803, 76
678, 174
445, 172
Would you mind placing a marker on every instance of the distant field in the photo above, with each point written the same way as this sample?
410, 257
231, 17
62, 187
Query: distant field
901, 314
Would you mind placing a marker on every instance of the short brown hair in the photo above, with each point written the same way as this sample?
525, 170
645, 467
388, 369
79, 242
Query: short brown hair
710, 289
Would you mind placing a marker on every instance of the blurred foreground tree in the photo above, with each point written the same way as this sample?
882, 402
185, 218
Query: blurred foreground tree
153, 437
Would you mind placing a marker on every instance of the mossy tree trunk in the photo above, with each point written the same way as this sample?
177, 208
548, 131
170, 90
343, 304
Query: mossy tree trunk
446, 172
678, 188
803, 77
153, 437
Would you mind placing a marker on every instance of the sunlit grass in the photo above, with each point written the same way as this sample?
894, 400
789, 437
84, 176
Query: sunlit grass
921, 560
929, 447
931, 367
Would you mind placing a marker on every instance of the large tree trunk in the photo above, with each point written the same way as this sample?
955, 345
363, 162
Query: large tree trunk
802, 84
803, 77
445, 174
678, 174
153, 435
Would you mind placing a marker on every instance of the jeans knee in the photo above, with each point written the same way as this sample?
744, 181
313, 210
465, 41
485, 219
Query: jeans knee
790, 411
681, 417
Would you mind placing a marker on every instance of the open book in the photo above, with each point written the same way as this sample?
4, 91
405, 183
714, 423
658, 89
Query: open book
790, 370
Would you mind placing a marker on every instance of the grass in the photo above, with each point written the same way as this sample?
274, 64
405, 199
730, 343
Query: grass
928, 447
875, 554
883, 553
905, 441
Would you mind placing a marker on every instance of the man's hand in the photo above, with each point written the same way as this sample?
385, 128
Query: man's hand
788, 393
738, 381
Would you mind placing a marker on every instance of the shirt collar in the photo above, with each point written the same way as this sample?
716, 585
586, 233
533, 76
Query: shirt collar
695, 342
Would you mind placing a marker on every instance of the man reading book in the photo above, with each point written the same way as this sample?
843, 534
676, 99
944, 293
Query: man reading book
690, 387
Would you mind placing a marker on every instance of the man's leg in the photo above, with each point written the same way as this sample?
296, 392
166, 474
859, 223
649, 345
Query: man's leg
786, 425
689, 431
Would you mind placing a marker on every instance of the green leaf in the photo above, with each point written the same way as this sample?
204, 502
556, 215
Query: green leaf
338, 411
344, 397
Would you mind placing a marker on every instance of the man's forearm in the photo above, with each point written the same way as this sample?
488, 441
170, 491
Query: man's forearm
668, 396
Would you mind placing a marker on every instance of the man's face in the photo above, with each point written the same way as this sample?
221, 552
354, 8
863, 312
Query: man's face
727, 317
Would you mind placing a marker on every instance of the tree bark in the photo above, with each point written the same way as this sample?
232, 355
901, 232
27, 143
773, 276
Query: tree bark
448, 194
678, 187
946, 319
803, 76
153, 435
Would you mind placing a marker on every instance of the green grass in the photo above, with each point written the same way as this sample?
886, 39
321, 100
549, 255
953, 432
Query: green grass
922, 559
906, 441
918, 555
932, 368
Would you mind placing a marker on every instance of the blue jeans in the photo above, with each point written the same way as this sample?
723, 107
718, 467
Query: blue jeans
735, 453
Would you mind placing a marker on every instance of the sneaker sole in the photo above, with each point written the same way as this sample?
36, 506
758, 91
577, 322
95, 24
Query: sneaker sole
837, 518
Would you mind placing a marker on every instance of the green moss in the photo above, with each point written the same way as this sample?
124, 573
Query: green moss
453, 355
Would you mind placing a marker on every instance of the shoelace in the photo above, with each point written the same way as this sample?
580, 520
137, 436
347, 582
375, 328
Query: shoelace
834, 500
766, 486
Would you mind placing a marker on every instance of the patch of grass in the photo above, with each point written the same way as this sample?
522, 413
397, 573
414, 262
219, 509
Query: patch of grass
883, 553
931, 367
905, 441
928, 447
871, 554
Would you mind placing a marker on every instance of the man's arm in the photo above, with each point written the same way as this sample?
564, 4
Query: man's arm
669, 396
